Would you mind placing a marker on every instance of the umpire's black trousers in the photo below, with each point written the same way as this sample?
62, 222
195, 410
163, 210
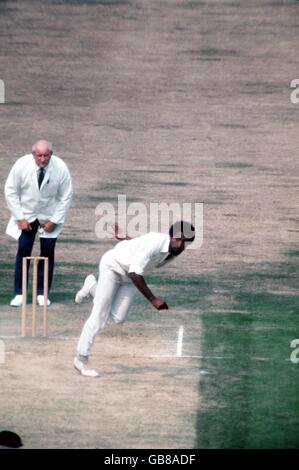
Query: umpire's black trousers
47, 249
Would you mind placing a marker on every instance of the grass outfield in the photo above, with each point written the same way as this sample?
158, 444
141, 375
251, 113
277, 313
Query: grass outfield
252, 398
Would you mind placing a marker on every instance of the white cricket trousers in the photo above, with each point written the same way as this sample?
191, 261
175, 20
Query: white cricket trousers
113, 298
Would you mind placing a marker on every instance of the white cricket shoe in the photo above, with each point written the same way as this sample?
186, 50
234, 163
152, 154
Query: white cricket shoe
41, 300
81, 367
84, 292
17, 301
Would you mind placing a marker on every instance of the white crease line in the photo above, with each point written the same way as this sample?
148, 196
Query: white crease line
179, 346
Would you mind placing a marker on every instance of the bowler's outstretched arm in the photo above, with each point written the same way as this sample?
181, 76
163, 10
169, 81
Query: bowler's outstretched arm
141, 285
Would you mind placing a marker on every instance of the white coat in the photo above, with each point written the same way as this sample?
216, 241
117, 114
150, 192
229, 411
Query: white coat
26, 201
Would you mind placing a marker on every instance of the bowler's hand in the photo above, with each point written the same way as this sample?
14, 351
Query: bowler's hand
24, 225
49, 226
118, 233
159, 304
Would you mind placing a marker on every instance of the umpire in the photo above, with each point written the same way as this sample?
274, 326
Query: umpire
38, 193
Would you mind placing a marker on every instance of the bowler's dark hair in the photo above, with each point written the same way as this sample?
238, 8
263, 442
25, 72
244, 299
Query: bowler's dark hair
182, 229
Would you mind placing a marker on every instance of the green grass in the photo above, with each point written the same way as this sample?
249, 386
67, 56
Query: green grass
212, 52
252, 399
94, 2
151, 171
6, 281
80, 241
233, 164
193, 4
179, 292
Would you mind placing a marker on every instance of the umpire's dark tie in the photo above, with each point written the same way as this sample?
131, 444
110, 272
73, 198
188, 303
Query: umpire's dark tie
41, 177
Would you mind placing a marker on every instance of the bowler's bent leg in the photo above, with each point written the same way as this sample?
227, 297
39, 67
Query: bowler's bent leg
123, 301
107, 286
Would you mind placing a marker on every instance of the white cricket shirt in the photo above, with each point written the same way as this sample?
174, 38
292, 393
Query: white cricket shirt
134, 256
